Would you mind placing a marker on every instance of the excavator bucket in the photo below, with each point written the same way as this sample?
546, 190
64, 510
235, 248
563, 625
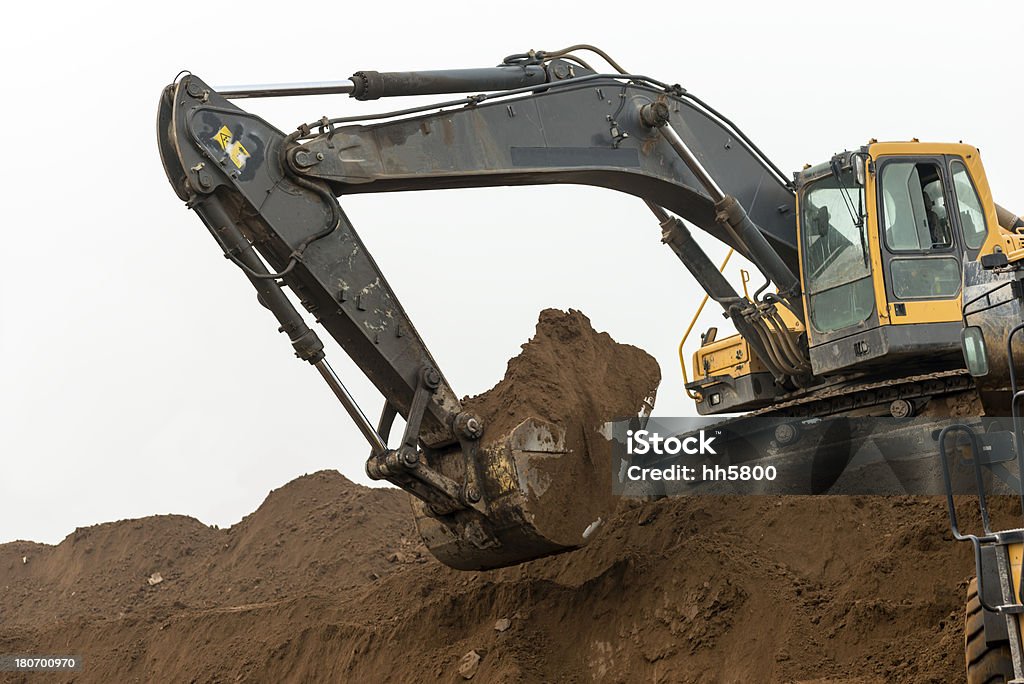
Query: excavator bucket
529, 514
545, 459
545, 491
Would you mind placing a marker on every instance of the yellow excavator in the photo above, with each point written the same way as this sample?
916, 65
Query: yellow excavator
890, 276
891, 240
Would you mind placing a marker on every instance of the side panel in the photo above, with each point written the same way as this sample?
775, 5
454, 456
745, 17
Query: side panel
910, 313
890, 347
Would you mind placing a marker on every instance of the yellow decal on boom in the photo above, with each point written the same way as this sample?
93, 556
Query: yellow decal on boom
234, 148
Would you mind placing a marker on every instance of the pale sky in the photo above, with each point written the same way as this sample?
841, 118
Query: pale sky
138, 373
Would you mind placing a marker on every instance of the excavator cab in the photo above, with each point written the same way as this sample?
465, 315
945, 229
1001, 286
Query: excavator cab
882, 258
884, 281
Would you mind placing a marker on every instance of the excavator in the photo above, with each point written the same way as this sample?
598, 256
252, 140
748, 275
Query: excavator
891, 276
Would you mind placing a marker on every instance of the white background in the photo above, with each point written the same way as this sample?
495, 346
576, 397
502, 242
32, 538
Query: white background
140, 376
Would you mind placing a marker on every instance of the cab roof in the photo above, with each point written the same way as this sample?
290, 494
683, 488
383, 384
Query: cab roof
876, 149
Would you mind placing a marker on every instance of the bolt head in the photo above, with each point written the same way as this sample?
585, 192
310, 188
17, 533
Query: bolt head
431, 378
785, 434
410, 457
469, 425
901, 408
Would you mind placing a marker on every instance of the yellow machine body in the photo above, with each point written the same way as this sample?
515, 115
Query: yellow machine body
927, 216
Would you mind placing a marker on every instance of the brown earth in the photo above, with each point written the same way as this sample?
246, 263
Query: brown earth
324, 583
570, 375
327, 581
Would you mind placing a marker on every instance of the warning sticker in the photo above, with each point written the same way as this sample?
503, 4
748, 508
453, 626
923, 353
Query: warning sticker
236, 152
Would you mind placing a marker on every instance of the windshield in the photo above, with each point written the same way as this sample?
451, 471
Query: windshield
835, 254
835, 247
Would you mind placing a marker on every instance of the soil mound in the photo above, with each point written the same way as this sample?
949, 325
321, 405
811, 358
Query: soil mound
328, 581
839, 589
319, 532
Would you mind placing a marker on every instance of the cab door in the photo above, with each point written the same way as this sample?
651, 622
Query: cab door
921, 247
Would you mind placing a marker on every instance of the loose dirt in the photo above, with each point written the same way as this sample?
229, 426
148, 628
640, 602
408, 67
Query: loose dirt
570, 375
327, 581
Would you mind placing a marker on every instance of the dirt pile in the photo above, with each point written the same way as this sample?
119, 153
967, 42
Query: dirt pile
320, 532
701, 589
328, 581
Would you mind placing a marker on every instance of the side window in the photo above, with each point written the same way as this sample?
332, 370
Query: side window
925, 277
972, 217
914, 207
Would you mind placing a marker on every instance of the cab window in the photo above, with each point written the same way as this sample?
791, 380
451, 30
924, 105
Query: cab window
914, 216
972, 217
837, 269
918, 233
925, 278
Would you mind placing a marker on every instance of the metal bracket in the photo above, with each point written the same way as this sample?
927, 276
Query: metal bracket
1005, 585
408, 466
469, 428
387, 419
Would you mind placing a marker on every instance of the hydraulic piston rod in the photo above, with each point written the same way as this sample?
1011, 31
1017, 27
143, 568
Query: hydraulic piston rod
377, 445
239, 92
731, 213
372, 85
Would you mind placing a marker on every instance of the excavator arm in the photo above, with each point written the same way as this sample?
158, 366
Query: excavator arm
269, 200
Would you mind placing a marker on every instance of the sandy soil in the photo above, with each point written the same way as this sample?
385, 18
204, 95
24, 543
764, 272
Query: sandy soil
325, 582
328, 581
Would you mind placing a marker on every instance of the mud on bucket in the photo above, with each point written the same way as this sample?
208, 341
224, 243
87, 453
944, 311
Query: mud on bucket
547, 490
